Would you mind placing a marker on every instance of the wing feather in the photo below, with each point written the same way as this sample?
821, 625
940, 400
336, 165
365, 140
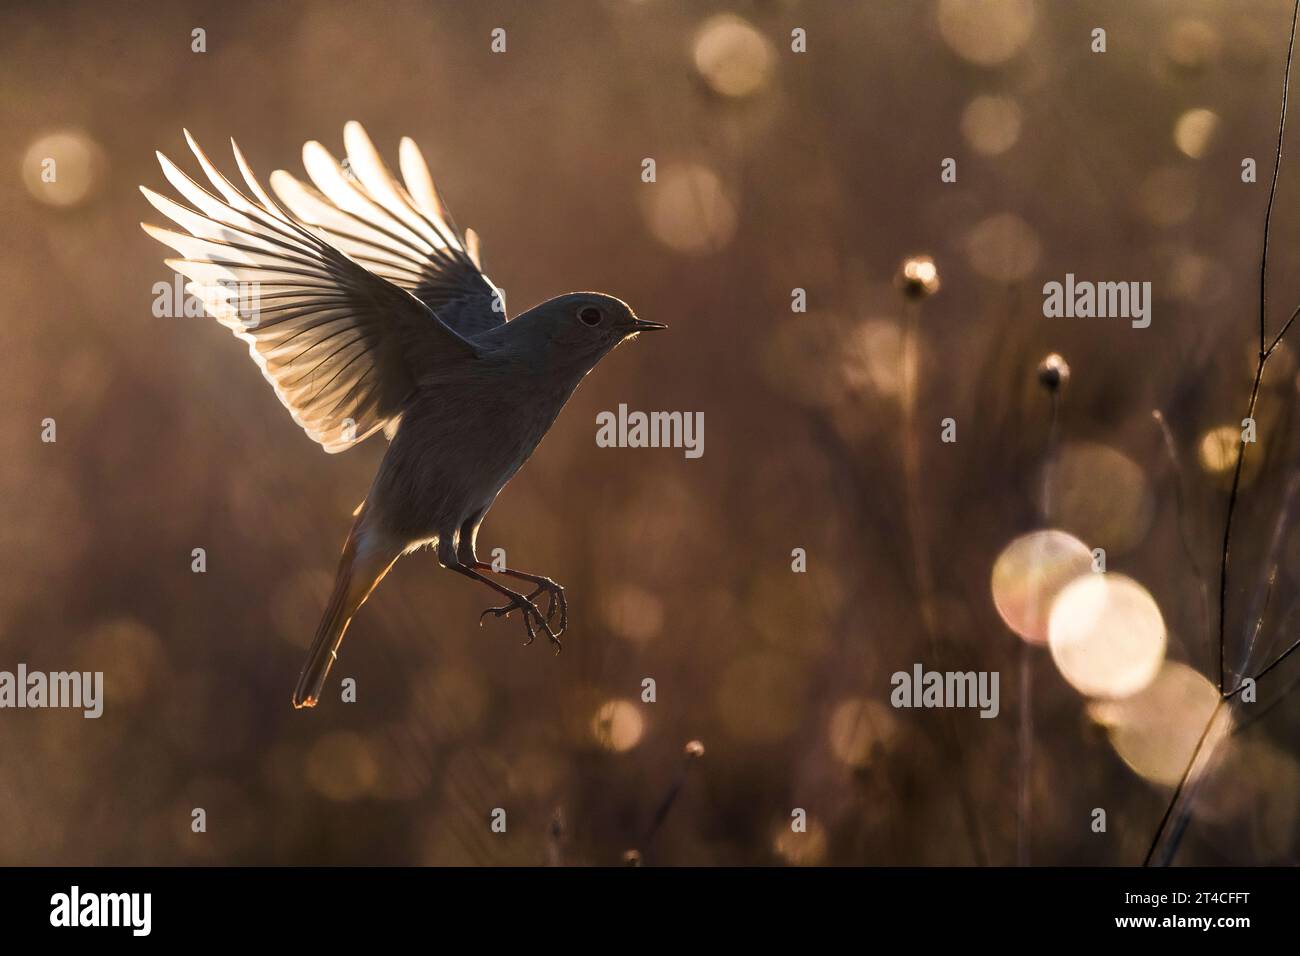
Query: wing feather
399, 229
334, 330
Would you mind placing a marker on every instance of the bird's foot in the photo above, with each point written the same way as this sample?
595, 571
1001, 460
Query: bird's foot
533, 618
555, 601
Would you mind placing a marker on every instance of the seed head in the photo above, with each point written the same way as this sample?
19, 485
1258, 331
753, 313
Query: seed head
918, 277
1053, 373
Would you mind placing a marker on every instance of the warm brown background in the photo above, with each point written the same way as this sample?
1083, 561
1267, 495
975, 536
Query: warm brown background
823, 176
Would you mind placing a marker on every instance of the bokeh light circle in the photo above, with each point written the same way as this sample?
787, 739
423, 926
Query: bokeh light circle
689, 209
63, 168
1101, 495
986, 32
991, 124
1029, 574
1003, 247
1107, 635
732, 56
1156, 730
618, 725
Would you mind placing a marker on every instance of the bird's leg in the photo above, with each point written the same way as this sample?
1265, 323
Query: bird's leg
555, 598
517, 600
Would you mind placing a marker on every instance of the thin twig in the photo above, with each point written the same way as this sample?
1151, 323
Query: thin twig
1276, 661
912, 468
1262, 712
1182, 782
1278, 338
920, 555
1024, 815
1227, 524
1264, 352
1275, 547
690, 755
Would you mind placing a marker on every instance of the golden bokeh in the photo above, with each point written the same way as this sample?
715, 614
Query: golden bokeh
689, 209
1155, 731
618, 725
1194, 131
991, 124
1107, 635
986, 32
732, 56
1003, 247
63, 168
1191, 44
1100, 495
1218, 449
1028, 575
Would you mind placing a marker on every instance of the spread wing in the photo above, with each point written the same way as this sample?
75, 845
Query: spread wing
400, 230
341, 342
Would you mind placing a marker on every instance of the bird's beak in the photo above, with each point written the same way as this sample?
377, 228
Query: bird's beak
641, 325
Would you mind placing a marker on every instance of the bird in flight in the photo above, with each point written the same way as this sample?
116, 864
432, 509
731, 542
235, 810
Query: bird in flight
367, 310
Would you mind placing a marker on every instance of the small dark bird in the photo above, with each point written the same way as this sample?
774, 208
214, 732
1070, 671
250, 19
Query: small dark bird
367, 310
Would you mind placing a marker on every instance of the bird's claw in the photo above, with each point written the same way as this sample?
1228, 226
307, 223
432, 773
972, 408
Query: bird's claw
532, 613
555, 601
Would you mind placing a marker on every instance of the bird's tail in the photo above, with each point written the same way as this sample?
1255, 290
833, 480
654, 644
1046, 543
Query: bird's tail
361, 568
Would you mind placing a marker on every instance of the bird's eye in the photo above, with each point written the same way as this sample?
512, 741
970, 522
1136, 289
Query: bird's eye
590, 315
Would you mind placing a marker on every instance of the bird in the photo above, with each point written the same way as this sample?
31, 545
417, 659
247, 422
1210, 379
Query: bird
368, 311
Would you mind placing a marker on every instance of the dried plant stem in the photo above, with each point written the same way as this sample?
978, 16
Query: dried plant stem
1274, 558
1050, 464
1024, 803
1217, 728
669, 798
1266, 349
1262, 712
924, 577
912, 470
1227, 527
1267, 667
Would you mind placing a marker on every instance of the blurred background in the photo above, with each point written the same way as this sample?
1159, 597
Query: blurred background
776, 170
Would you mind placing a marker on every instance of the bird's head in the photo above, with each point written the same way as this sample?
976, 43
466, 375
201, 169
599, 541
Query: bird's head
584, 326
